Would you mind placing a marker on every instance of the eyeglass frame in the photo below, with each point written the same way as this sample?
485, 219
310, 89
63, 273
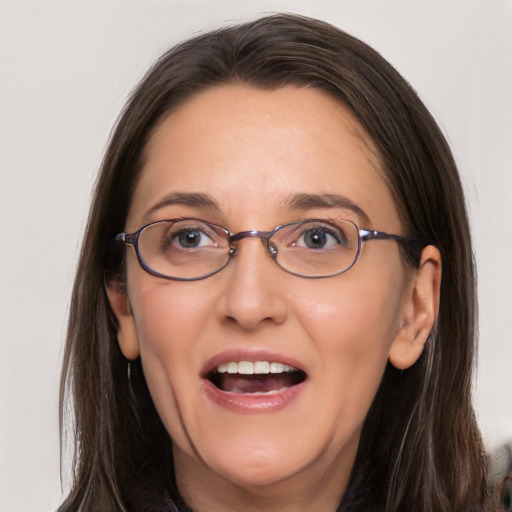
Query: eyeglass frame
364, 235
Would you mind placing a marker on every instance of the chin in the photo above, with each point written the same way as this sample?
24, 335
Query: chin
257, 473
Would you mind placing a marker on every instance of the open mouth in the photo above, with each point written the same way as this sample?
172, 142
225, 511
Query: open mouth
265, 377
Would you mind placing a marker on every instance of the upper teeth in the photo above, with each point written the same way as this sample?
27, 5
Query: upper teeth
256, 367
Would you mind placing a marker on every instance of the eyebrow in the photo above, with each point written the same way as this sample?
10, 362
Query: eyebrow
301, 201
194, 199
326, 201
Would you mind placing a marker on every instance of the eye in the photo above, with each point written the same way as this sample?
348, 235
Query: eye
191, 239
186, 235
321, 237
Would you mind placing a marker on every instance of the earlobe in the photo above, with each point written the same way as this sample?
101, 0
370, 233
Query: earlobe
419, 311
126, 330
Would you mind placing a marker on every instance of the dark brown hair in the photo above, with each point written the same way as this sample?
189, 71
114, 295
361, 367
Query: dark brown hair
420, 448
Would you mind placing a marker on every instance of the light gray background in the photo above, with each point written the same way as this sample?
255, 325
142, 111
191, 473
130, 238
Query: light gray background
65, 71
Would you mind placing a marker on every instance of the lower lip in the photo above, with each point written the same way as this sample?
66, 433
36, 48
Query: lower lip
252, 402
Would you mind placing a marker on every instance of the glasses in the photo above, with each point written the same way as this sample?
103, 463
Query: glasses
192, 249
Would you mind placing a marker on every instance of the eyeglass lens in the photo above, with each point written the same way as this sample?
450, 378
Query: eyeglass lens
191, 249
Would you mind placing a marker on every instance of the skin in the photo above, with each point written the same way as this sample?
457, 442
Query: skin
250, 150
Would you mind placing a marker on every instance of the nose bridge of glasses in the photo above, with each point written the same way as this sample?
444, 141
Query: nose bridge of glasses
264, 236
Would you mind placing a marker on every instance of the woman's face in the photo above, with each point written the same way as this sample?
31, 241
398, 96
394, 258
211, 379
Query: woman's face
248, 159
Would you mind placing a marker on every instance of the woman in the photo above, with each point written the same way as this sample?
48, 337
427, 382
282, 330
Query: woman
337, 377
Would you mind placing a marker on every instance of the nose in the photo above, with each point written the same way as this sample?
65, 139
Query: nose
255, 288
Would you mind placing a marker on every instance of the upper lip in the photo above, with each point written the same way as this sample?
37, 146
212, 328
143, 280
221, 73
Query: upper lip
249, 355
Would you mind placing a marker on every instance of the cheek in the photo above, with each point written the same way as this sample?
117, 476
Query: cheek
167, 313
353, 326
170, 320
169, 325
357, 315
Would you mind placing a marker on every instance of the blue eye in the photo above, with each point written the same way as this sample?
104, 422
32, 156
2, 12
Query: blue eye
191, 239
321, 237
188, 236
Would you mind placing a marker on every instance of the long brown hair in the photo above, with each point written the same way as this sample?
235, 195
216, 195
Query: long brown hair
420, 448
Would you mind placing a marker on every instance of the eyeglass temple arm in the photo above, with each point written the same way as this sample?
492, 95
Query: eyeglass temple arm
127, 238
367, 235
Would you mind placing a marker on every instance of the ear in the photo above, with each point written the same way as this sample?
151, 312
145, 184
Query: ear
126, 331
419, 310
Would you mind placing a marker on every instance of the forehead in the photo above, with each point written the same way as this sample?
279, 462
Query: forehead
248, 147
